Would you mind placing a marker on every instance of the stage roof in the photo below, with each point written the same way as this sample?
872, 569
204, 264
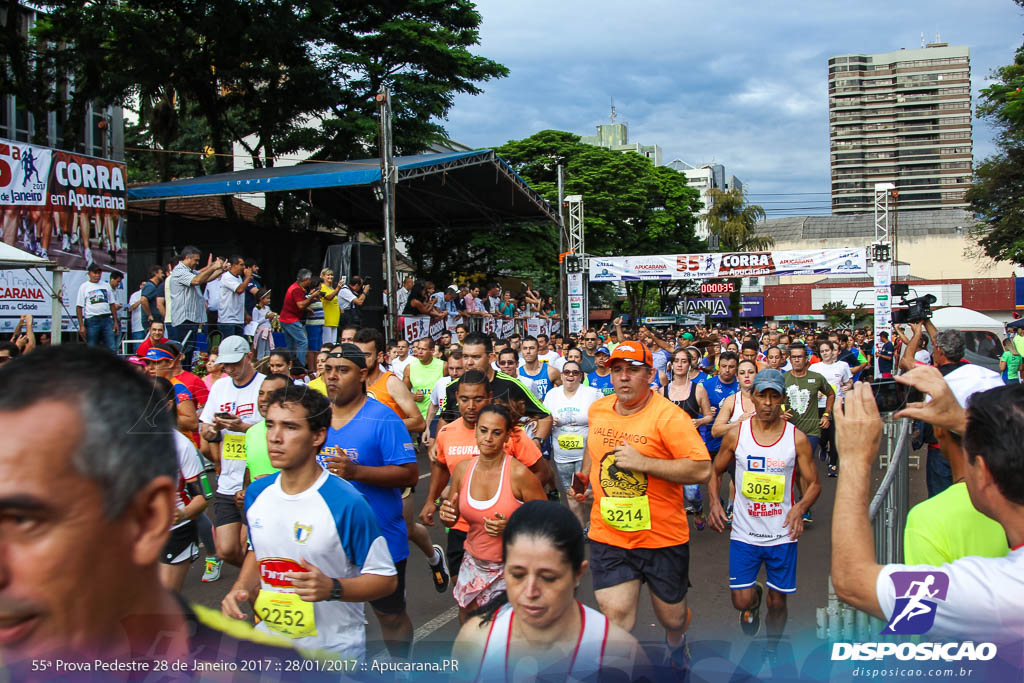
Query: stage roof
454, 188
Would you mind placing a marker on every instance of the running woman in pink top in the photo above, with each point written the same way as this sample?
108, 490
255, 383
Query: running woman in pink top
485, 491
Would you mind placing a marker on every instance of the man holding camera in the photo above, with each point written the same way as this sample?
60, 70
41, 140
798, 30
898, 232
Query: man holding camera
351, 298
297, 299
185, 287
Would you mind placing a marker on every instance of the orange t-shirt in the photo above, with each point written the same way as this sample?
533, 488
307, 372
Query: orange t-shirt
457, 442
379, 391
660, 430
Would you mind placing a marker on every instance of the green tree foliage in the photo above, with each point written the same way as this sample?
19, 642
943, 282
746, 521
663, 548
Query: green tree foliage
630, 206
734, 222
997, 195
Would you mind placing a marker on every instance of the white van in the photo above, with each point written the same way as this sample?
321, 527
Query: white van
983, 336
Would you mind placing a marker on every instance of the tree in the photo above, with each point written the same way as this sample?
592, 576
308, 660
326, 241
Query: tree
277, 78
734, 222
630, 206
997, 195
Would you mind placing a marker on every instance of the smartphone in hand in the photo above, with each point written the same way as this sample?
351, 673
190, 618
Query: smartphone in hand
578, 487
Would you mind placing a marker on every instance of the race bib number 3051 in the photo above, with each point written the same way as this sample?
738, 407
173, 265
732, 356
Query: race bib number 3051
763, 488
286, 613
627, 514
234, 447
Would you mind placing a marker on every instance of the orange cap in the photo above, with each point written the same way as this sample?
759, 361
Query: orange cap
633, 353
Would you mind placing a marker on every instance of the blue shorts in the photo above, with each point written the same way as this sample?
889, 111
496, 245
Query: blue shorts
779, 562
314, 339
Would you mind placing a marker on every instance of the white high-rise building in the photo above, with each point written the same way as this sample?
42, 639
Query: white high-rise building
705, 178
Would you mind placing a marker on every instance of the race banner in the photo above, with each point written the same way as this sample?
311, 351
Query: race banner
436, 329
556, 327
452, 322
489, 325
536, 326
728, 265
67, 207
416, 327
508, 328
28, 292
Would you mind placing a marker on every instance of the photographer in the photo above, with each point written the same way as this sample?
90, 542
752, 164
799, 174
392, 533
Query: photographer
351, 298
985, 596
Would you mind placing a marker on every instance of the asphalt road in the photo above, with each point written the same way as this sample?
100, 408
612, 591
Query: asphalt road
714, 630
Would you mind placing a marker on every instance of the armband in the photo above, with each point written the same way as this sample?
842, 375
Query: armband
194, 489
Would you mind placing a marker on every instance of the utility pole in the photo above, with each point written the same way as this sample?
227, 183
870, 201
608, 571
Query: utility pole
389, 184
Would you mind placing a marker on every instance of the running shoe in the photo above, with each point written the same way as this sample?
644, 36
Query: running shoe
440, 572
87, 255
808, 519
700, 520
65, 243
677, 659
833, 471
750, 619
212, 571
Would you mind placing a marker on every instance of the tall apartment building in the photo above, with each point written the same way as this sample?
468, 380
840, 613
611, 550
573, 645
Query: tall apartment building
901, 117
704, 178
616, 136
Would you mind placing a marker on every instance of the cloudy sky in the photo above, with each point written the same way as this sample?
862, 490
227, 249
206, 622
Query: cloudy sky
743, 84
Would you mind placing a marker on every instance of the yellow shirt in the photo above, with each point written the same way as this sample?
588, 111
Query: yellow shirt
332, 312
319, 385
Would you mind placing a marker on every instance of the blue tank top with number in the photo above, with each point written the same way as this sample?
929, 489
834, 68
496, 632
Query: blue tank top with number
540, 380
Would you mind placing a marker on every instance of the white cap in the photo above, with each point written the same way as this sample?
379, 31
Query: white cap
969, 379
232, 349
922, 356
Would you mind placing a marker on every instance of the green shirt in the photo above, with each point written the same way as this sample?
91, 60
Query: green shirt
257, 459
802, 400
1018, 341
947, 527
1012, 361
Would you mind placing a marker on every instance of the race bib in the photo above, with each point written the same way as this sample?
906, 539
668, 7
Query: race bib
286, 613
627, 514
570, 442
234, 447
763, 488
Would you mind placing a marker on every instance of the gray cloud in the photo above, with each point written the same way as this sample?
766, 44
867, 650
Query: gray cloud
743, 84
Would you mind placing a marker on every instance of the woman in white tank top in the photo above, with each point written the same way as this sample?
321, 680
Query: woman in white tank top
539, 629
739, 406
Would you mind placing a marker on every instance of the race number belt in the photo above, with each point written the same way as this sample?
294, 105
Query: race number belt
626, 514
570, 442
234, 447
763, 488
286, 613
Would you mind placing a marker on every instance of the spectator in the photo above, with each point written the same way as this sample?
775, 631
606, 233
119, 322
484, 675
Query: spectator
402, 295
1009, 363
351, 299
185, 290
314, 324
97, 314
419, 303
135, 329
296, 301
234, 284
332, 311
155, 336
259, 326
982, 597
152, 289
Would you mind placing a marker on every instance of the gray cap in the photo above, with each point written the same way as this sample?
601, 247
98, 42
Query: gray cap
770, 379
232, 349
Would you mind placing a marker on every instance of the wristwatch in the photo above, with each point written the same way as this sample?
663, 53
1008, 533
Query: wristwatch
336, 591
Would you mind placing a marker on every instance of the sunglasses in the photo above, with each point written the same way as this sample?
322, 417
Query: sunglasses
572, 373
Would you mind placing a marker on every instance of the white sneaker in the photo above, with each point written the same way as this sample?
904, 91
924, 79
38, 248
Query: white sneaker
87, 254
65, 243
212, 571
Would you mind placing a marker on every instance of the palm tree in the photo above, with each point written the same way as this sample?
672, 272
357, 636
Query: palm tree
734, 223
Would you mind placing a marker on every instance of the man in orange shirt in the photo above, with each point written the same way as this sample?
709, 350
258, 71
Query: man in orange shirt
456, 441
641, 450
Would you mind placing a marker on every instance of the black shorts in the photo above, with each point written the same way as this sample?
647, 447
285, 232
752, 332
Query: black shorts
394, 603
182, 545
455, 551
225, 511
665, 570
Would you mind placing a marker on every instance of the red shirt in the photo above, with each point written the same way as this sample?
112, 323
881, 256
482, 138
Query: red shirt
200, 392
290, 311
147, 344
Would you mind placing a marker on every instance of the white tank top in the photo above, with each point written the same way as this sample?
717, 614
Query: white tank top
583, 664
764, 493
737, 408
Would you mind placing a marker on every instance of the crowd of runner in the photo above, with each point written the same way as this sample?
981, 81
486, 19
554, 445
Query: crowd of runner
543, 451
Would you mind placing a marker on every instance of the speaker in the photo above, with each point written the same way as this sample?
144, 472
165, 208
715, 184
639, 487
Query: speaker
367, 261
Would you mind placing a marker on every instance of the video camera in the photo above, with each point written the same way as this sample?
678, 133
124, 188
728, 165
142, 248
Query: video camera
916, 309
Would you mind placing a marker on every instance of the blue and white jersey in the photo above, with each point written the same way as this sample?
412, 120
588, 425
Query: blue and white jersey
541, 381
330, 526
376, 437
718, 391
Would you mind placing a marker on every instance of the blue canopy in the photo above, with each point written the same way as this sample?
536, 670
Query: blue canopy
474, 187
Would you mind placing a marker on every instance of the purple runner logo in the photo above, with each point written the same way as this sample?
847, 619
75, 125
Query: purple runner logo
916, 595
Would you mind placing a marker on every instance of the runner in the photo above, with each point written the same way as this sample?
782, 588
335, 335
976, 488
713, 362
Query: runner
229, 413
403, 359
544, 375
484, 492
641, 450
422, 374
838, 375
540, 631
601, 377
768, 453
802, 387
456, 442
569, 405
455, 371
182, 547
548, 354
306, 584
368, 445
738, 407
693, 399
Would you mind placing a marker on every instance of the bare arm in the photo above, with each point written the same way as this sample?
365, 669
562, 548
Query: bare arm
388, 476
439, 478
188, 420
525, 485
726, 454
705, 407
721, 425
413, 420
854, 568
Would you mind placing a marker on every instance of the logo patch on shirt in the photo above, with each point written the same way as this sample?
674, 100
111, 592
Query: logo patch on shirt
302, 532
916, 595
755, 463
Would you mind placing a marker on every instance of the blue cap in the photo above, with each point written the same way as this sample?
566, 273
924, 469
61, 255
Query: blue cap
770, 379
604, 350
